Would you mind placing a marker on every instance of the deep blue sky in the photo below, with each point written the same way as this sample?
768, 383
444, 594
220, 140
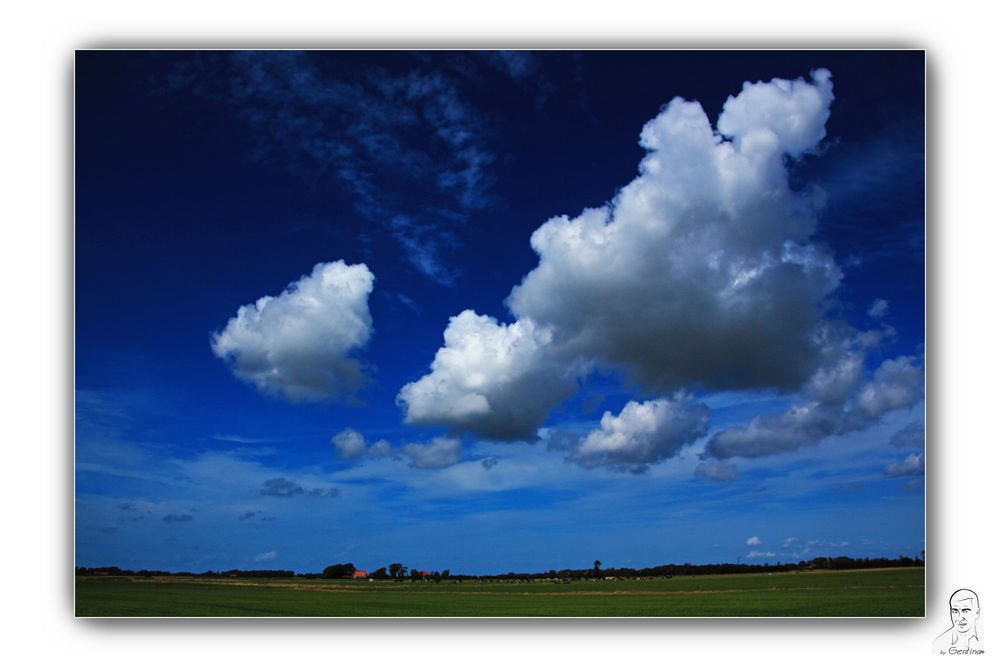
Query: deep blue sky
206, 180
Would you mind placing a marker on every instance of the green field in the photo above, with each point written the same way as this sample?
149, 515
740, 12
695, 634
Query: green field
890, 592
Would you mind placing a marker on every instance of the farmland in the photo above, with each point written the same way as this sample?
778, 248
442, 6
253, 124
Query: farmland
884, 592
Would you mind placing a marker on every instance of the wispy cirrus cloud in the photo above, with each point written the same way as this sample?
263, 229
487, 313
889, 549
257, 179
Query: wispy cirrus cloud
402, 140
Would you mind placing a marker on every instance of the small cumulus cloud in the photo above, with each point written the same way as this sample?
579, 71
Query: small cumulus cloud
760, 554
380, 448
911, 466
497, 381
266, 556
298, 345
898, 383
642, 434
349, 443
352, 445
879, 309
489, 462
753, 541
789, 541
440, 452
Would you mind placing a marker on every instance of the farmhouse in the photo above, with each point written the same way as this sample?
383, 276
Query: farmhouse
359, 574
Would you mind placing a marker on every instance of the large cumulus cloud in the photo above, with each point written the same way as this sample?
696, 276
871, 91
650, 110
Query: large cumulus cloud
699, 273
298, 345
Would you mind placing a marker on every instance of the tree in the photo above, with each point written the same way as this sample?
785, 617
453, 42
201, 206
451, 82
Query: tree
380, 574
396, 570
597, 568
445, 574
339, 571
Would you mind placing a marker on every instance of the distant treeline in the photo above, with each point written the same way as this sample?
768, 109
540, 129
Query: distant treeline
399, 573
687, 569
244, 574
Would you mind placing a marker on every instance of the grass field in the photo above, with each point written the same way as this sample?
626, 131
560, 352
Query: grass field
891, 592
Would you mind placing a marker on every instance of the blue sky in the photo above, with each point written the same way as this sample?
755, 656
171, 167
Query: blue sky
525, 311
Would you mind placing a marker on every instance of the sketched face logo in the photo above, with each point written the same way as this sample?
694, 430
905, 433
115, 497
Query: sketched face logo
964, 637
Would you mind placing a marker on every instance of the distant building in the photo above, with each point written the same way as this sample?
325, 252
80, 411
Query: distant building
359, 574
424, 573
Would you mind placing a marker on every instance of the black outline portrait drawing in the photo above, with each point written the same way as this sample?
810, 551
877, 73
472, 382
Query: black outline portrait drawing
964, 636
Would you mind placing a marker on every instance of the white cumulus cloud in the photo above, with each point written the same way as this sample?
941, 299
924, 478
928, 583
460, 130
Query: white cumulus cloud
753, 541
641, 434
350, 444
791, 113
297, 345
380, 448
496, 380
898, 383
700, 272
